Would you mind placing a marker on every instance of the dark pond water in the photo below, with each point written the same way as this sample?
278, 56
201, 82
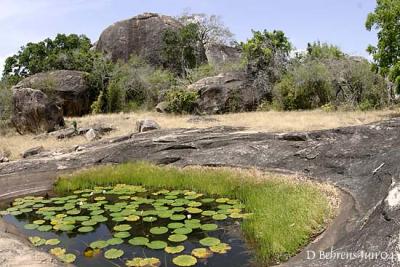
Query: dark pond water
103, 209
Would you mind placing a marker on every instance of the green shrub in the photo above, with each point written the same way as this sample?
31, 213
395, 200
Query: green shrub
134, 85
5, 101
181, 101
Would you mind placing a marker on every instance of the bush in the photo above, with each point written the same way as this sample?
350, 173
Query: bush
181, 101
133, 85
5, 101
306, 86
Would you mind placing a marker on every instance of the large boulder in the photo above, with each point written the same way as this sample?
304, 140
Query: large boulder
140, 35
68, 88
226, 92
33, 111
218, 54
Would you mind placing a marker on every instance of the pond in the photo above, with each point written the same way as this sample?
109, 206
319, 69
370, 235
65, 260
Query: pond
128, 225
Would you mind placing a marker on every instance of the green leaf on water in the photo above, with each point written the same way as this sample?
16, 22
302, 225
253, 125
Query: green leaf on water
210, 241
113, 253
209, 227
183, 231
221, 248
122, 227
85, 229
98, 244
157, 244
174, 250
143, 262
53, 242
184, 260
175, 225
219, 217
177, 217
138, 241
158, 230
44, 228
115, 241
150, 219
177, 238
122, 235
30, 226
202, 253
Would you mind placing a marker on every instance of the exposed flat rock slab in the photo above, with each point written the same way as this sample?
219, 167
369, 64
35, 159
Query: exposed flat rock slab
361, 160
15, 252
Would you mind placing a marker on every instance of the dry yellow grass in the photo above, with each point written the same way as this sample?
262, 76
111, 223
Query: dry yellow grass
272, 121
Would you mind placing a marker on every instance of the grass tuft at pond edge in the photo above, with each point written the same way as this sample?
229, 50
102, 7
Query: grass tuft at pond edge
286, 214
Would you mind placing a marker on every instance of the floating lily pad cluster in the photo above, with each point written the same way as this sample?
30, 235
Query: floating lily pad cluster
163, 221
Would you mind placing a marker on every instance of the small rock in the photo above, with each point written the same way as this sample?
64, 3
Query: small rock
92, 135
32, 151
64, 133
4, 159
146, 125
162, 107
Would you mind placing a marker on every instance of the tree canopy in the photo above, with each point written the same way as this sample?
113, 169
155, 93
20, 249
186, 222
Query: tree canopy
385, 19
70, 52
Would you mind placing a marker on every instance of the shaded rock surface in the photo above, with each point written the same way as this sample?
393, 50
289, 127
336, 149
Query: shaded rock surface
67, 88
351, 158
146, 125
32, 151
218, 54
16, 252
33, 111
140, 35
223, 93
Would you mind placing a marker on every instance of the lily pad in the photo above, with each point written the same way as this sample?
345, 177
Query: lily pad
143, 262
57, 251
177, 238
67, 258
85, 229
219, 217
113, 253
202, 253
183, 231
44, 228
158, 230
115, 241
184, 260
99, 244
210, 241
150, 219
132, 218
139, 241
122, 227
37, 241
30, 226
177, 217
208, 213
209, 227
175, 225
194, 210
174, 250
53, 242
157, 244
221, 248
122, 235
39, 222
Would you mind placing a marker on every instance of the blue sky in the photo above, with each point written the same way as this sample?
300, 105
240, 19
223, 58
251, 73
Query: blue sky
340, 22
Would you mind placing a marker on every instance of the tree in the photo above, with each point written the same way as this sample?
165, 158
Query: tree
211, 29
386, 54
182, 49
267, 56
318, 50
70, 52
